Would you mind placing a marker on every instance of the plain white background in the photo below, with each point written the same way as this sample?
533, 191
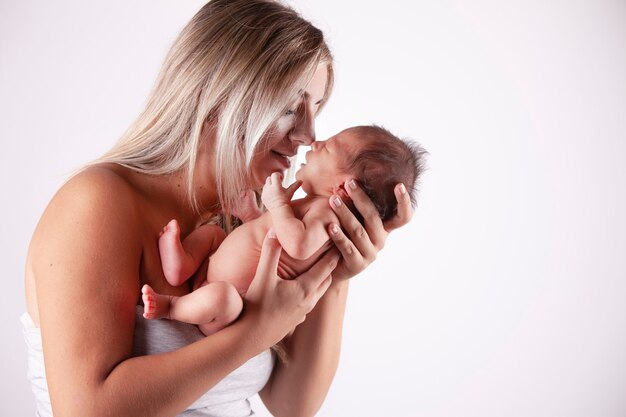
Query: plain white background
505, 296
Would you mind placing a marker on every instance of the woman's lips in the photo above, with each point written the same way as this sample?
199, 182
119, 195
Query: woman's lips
283, 159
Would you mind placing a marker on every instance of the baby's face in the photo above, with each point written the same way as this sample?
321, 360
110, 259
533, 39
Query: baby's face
322, 173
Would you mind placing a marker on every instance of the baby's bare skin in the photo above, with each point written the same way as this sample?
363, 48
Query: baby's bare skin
218, 301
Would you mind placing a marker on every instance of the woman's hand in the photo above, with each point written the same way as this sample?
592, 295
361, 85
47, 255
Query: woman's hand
362, 243
278, 304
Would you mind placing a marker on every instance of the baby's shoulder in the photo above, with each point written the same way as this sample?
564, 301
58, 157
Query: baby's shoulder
317, 207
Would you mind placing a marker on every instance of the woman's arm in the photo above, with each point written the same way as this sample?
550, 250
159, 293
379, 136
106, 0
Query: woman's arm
86, 256
300, 387
86, 253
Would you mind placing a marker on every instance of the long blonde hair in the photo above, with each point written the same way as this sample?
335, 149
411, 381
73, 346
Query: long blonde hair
237, 65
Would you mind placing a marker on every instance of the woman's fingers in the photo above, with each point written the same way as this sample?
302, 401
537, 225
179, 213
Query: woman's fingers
359, 243
355, 246
368, 239
404, 212
364, 205
315, 281
354, 229
321, 290
349, 252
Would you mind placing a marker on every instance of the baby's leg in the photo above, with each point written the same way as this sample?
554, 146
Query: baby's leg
181, 259
212, 306
227, 305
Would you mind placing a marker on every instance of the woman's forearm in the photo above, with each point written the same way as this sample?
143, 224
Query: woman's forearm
163, 384
299, 387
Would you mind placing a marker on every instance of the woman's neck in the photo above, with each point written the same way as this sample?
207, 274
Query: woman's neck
168, 194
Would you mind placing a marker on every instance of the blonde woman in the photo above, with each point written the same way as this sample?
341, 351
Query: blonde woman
236, 97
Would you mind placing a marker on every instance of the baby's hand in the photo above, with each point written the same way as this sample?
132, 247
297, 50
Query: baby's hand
247, 207
274, 194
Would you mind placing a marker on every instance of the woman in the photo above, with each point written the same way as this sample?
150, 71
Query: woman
236, 97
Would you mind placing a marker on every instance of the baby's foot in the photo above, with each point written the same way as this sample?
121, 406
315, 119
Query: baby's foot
172, 253
155, 306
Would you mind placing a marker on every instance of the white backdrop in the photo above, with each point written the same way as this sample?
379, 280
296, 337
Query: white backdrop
505, 296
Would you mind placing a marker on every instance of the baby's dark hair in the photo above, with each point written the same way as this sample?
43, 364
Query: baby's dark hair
382, 162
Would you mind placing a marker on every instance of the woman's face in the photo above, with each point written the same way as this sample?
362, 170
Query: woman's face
294, 128
322, 173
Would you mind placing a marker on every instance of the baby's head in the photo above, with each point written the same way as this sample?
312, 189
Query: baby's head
373, 156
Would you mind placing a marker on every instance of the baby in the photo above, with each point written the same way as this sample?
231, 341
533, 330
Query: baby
370, 154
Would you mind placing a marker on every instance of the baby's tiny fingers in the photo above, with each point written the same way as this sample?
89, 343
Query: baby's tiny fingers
276, 178
293, 188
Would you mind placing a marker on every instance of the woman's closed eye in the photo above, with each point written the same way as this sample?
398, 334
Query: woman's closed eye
292, 111
294, 108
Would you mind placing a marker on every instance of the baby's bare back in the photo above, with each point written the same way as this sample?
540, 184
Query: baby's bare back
237, 258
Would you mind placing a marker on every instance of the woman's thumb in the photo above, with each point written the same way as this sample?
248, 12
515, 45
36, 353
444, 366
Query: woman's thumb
270, 254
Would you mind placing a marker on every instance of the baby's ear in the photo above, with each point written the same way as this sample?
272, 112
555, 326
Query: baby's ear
340, 190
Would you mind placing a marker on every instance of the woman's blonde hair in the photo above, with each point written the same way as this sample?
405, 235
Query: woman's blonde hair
235, 67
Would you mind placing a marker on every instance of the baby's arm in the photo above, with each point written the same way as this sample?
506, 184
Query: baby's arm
180, 260
299, 238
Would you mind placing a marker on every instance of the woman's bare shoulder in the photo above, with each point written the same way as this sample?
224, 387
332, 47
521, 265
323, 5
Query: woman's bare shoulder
107, 179
89, 219
101, 189
83, 272
98, 201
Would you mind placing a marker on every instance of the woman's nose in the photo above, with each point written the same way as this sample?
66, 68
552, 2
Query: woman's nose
303, 132
315, 146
